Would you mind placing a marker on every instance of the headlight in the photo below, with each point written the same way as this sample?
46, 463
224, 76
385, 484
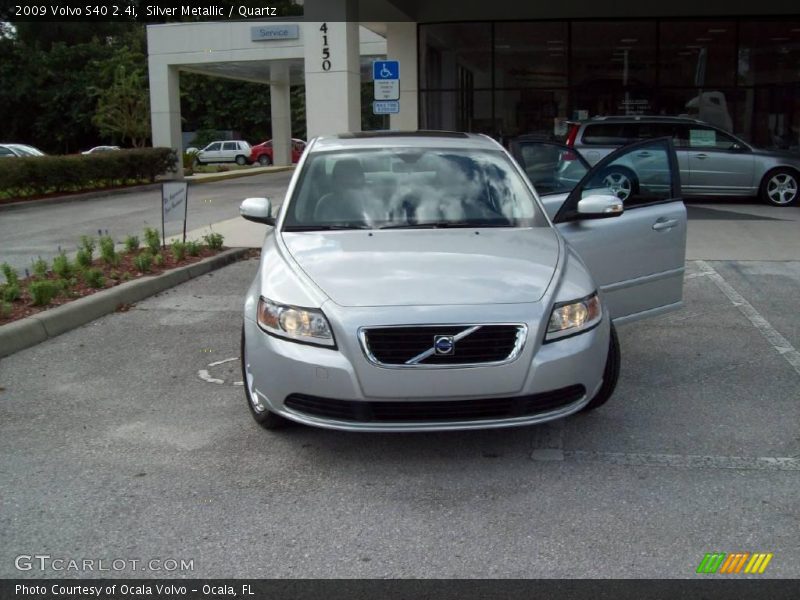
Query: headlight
569, 318
300, 324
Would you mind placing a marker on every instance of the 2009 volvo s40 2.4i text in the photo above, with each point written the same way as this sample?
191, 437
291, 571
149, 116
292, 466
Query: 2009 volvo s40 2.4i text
416, 281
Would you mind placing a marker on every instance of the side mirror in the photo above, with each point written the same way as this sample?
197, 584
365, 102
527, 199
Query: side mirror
600, 206
258, 210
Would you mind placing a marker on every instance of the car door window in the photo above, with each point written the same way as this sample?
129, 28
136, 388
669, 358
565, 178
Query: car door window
229, 146
606, 134
551, 168
640, 174
213, 147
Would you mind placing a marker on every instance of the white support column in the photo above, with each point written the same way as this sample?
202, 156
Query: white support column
401, 45
165, 110
281, 113
332, 67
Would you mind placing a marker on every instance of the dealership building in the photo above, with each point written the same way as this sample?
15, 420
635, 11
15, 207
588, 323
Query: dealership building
503, 67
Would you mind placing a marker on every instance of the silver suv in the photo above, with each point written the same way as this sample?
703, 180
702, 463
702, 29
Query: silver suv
712, 162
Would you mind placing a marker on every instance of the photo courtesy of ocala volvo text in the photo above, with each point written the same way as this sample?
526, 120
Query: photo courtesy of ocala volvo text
419, 281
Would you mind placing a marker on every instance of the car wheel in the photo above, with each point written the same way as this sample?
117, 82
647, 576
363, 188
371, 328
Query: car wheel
780, 188
620, 182
264, 160
610, 374
264, 417
241, 160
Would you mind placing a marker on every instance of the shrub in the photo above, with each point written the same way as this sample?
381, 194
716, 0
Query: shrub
83, 258
178, 250
10, 273
61, 265
10, 292
43, 292
193, 248
126, 276
131, 243
143, 261
114, 274
47, 174
5, 309
107, 252
88, 244
214, 240
40, 267
152, 239
94, 278
158, 260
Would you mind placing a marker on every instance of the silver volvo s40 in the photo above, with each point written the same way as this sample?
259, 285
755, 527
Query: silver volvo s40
417, 281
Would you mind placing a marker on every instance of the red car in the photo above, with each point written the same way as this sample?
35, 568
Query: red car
262, 153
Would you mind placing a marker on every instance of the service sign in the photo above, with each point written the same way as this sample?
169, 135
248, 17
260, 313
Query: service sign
174, 200
266, 33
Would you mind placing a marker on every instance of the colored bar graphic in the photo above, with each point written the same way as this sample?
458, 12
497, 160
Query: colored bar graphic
711, 562
722, 563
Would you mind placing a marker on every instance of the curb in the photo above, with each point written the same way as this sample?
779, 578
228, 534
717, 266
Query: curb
27, 332
212, 177
149, 187
80, 196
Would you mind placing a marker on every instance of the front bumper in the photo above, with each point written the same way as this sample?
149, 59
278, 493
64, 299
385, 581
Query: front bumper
279, 370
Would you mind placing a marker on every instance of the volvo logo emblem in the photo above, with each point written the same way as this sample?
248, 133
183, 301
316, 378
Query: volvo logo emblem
444, 345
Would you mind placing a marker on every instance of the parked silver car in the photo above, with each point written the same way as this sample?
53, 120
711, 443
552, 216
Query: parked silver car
416, 281
712, 162
224, 151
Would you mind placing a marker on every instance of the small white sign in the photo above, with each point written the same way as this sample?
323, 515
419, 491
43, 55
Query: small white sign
385, 107
173, 197
387, 89
265, 33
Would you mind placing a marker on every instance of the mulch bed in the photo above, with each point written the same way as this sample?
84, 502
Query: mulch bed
23, 307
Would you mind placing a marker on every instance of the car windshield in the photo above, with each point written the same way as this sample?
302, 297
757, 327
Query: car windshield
410, 188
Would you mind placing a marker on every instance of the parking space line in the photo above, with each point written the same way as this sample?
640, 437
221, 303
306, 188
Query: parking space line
775, 339
686, 461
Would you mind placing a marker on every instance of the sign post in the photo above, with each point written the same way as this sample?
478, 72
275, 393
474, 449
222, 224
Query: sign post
386, 87
174, 204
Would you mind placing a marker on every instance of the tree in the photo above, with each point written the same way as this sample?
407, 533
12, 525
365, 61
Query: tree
123, 110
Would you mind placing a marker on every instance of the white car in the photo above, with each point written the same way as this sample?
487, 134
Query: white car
20, 150
222, 151
97, 149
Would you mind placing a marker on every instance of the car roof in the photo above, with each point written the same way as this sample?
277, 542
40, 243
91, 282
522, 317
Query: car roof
639, 119
412, 139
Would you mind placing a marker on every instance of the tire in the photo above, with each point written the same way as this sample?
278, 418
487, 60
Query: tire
264, 417
622, 183
610, 374
780, 187
241, 160
264, 160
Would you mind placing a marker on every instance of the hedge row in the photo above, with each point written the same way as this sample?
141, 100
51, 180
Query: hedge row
34, 176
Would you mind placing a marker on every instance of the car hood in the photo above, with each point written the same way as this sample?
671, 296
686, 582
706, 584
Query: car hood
428, 266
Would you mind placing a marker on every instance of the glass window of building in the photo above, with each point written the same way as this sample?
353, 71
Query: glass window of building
530, 55
697, 53
769, 52
531, 111
452, 52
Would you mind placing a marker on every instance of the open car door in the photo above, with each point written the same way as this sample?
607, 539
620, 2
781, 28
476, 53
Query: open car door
635, 256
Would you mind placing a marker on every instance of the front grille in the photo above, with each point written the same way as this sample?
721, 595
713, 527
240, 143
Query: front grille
435, 410
396, 346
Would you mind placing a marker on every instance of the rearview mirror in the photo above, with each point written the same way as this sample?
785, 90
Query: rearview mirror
600, 206
258, 210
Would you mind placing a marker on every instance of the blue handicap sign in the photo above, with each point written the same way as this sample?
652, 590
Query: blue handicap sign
386, 69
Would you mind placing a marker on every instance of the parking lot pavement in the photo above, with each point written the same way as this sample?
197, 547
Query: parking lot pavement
112, 445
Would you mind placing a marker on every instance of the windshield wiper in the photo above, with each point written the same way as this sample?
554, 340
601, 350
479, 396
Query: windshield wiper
295, 228
447, 225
